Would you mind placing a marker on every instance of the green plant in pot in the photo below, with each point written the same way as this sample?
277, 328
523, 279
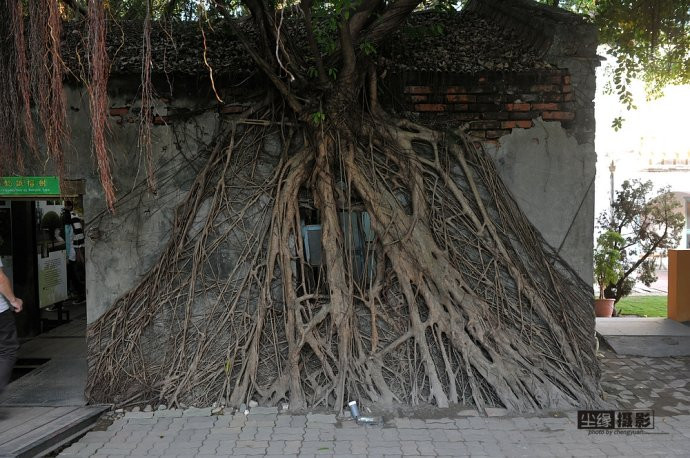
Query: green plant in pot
608, 268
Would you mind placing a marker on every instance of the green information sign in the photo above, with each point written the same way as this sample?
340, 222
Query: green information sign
29, 186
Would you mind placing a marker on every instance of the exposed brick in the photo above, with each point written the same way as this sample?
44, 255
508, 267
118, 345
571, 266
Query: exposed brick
568, 106
485, 107
514, 124
567, 88
460, 107
160, 120
417, 90
500, 115
545, 106
119, 111
558, 115
566, 79
517, 106
523, 114
430, 107
530, 97
456, 90
544, 88
555, 79
419, 98
485, 125
496, 133
466, 116
568, 97
462, 98
486, 89
492, 98
552, 97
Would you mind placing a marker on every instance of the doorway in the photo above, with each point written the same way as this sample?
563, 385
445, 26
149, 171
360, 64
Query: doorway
35, 245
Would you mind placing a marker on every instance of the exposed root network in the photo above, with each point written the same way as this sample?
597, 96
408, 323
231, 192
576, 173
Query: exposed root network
432, 285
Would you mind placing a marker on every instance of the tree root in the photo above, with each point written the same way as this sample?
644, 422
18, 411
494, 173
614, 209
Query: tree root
464, 302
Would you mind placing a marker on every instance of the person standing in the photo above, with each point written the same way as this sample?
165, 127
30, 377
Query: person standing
74, 237
9, 304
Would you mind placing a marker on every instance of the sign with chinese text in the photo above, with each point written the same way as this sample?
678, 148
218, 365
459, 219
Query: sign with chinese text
29, 186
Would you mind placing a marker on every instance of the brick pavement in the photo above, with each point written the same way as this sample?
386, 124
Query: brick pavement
658, 383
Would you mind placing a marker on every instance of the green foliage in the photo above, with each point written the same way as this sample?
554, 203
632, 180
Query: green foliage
607, 260
318, 117
650, 223
650, 40
367, 48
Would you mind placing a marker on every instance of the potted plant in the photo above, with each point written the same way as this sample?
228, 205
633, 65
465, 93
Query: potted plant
607, 269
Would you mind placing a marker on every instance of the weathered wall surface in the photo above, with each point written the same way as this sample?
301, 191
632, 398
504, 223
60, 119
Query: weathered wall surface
121, 247
489, 104
551, 177
538, 126
549, 167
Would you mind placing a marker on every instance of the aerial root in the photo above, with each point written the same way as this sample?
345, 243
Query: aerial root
456, 299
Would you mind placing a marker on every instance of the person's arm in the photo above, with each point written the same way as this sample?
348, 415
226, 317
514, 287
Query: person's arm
6, 290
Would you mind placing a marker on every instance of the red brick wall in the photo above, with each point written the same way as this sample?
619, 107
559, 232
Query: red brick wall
491, 105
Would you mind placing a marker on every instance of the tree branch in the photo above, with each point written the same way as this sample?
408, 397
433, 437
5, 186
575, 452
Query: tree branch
260, 62
361, 17
637, 264
263, 21
392, 17
349, 59
305, 6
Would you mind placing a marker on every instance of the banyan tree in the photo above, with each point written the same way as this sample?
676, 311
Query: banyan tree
368, 257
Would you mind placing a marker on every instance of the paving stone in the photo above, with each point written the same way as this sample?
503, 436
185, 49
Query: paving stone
206, 421
321, 418
130, 415
170, 413
263, 410
248, 451
197, 412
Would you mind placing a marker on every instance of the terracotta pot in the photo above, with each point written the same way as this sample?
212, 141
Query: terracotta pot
603, 308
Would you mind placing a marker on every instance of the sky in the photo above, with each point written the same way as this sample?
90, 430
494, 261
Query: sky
659, 126
657, 129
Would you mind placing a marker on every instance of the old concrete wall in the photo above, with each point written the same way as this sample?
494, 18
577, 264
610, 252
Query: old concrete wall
551, 177
121, 247
547, 170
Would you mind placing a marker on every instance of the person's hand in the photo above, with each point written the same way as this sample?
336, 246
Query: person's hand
17, 304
